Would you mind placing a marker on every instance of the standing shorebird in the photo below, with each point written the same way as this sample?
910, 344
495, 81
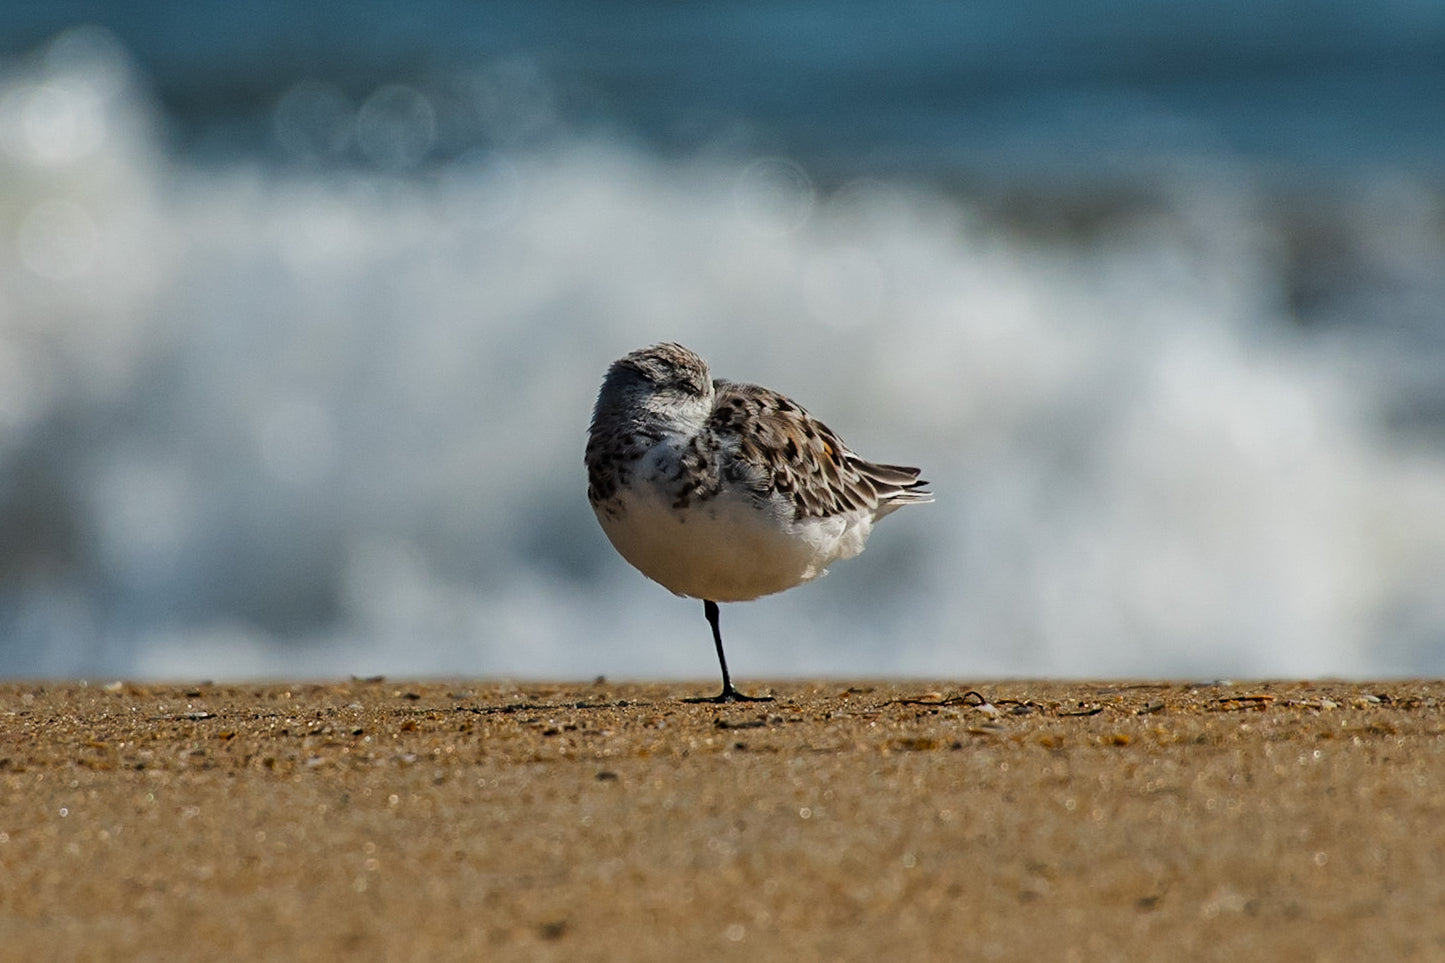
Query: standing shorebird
726, 492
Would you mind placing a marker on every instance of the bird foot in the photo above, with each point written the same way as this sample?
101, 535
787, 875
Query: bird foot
729, 694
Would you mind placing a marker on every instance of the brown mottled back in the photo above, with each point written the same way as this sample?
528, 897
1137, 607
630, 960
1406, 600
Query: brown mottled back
817, 470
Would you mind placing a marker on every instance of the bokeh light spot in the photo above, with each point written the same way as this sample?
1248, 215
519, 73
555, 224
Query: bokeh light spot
396, 127
774, 194
63, 121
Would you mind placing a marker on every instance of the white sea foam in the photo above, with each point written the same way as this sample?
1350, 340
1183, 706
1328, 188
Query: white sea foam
319, 423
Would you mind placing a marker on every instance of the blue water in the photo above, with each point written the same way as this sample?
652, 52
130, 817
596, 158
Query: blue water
851, 87
302, 313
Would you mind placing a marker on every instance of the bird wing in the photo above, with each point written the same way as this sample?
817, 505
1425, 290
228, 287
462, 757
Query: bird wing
781, 448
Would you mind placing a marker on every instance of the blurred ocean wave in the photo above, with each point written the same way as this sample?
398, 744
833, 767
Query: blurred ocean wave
324, 415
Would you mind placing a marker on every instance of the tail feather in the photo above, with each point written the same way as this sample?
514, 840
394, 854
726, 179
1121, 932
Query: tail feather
896, 485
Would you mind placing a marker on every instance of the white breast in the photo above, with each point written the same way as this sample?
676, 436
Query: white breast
727, 548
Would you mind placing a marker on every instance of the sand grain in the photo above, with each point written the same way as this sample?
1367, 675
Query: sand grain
394, 820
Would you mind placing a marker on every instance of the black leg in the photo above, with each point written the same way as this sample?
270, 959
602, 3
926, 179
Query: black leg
729, 694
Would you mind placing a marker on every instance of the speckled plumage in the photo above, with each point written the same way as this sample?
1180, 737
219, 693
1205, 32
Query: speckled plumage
724, 491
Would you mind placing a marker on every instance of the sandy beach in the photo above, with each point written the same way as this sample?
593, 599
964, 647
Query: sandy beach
398, 820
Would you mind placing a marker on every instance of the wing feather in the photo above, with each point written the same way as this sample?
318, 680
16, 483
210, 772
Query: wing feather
783, 449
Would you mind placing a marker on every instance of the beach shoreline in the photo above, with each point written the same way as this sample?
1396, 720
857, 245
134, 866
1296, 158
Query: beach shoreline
376, 818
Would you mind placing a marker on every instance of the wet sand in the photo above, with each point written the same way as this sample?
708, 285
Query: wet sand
383, 819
